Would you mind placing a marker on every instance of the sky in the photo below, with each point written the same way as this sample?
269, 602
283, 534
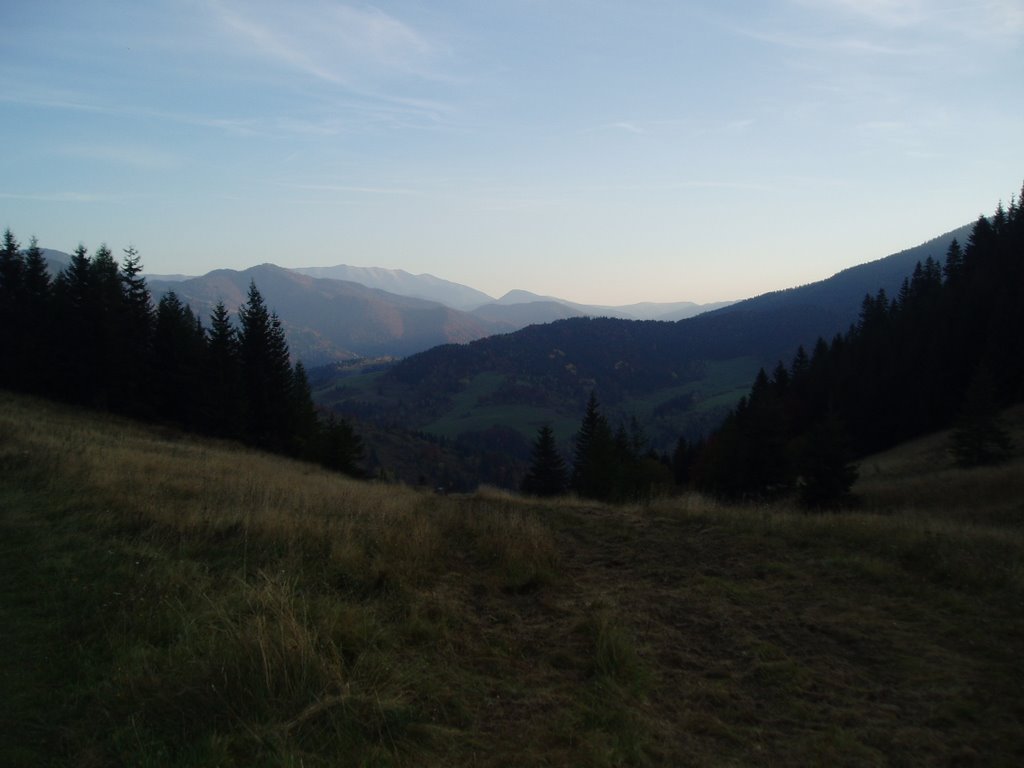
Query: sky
601, 151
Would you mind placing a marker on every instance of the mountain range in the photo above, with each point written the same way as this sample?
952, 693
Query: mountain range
490, 374
334, 314
674, 378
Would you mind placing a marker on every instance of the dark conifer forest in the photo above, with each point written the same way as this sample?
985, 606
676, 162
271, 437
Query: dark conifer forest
91, 336
946, 352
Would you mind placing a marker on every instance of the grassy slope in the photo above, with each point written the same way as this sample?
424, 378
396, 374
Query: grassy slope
167, 601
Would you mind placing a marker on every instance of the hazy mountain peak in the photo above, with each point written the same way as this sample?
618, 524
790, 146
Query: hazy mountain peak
402, 283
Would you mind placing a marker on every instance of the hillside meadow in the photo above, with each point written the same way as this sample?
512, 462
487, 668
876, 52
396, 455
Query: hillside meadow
170, 601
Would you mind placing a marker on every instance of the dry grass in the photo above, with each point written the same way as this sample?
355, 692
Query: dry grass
194, 603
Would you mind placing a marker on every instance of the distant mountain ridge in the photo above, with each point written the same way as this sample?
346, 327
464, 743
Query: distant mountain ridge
330, 320
402, 283
393, 313
530, 308
411, 314
649, 310
675, 377
844, 291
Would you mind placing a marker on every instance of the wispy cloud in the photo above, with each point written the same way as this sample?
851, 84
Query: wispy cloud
346, 188
345, 114
140, 157
981, 18
366, 65
680, 184
59, 197
885, 13
333, 42
833, 43
675, 126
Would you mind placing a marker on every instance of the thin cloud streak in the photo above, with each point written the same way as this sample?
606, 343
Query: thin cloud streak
355, 115
995, 18
350, 188
60, 197
366, 52
139, 157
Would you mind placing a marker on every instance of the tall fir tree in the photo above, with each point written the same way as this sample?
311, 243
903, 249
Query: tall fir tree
978, 437
223, 377
75, 342
266, 374
136, 322
10, 298
178, 350
594, 456
36, 313
547, 473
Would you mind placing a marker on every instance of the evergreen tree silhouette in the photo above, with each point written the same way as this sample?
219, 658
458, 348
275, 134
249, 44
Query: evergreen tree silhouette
978, 438
266, 374
547, 473
593, 462
224, 407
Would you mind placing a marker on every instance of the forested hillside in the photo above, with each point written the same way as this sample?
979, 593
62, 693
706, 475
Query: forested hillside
676, 379
328, 320
946, 348
91, 336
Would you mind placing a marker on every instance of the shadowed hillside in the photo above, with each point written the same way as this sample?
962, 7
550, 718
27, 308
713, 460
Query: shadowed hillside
171, 601
676, 378
329, 320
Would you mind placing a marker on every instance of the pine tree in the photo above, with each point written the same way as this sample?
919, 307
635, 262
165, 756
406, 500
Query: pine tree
826, 472
547, 473
979, 439
74, 338
223, 377
10, 299
266, 374
35, 361
682, 461
136, 321
303, 423
11, 266
36, 276
340, 448
179, 348
594, 459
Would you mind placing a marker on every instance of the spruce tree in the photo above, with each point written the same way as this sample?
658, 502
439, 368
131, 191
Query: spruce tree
979, 438
136, 322
340, 448
266, 374
179, 347
547, 473
37, 280
826, 471
11, 266
74, 338
593, 462
10, 299
223, 377
35, 361
303, 423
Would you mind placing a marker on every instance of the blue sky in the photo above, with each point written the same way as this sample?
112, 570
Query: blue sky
600, 151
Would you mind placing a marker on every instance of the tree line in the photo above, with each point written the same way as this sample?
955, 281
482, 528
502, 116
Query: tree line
946, 351
91, 335
609, 465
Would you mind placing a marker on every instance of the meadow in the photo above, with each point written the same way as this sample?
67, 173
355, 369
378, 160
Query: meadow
172, 601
